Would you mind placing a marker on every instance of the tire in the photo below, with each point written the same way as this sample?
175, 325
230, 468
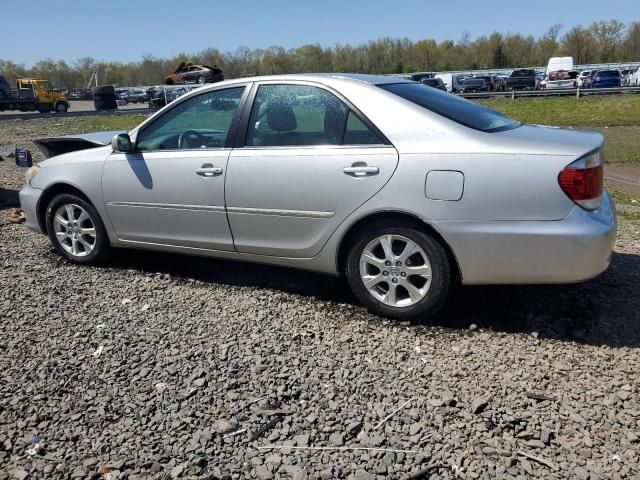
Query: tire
430, 258
168, 82
105, 101
61, 107
201, 80
89, 248
103, 89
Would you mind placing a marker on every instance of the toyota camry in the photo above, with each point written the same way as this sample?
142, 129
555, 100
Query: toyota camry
404, 189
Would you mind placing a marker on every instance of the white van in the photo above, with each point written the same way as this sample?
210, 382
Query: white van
559, 74
559, 63
451, 81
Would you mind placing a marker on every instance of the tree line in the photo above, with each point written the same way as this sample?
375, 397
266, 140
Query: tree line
601, 42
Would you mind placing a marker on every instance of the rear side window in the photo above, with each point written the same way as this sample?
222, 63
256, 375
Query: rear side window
452, 107
301, 115
357, 133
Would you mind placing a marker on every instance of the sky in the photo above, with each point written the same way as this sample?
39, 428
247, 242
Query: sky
120, 30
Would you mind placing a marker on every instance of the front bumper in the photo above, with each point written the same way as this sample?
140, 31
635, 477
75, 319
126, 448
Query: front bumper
29, 197
574, 249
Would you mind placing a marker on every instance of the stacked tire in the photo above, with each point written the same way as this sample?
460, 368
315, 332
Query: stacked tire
104, 98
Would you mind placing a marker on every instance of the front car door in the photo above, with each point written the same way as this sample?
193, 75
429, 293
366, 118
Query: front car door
307, 161
170, 191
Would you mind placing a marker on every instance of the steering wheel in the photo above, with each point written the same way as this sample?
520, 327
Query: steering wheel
189, 134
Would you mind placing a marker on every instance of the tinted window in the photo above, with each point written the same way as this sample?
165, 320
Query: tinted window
609, 73
357, 133
202, 121
454, 108
298, 115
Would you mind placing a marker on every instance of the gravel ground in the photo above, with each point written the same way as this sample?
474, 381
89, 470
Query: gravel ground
166, 366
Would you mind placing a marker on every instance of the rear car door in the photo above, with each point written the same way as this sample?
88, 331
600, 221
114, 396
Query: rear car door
308, 160
170, 191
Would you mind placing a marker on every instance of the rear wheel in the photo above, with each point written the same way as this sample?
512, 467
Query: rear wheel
399, 271
201, 79
76, 230
61, 107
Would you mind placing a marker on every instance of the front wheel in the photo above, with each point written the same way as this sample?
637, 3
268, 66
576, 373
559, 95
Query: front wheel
61, 107
202, 80
399, 271
76, 230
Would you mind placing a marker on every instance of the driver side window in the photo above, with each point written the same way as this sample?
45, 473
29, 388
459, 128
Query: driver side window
202, 121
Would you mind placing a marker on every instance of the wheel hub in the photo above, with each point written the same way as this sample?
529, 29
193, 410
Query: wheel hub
74, 230
395, 270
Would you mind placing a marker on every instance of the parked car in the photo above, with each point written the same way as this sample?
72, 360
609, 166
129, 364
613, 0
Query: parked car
190, 73
559, 79
435, 83
452, 81
582, 79
523, 79
164, 97
499, 83
489, 80
625, 77
635, 76
79, 94
433, 189
474, 84
137, 96
121, 94
606, 78
417, 77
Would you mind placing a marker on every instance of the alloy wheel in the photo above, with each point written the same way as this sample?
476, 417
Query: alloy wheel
74, 230
395, 270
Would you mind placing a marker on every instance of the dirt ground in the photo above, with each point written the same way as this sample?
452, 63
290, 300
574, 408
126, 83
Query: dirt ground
623, 178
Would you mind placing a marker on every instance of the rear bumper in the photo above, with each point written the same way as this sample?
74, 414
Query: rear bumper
574, 249
29, 197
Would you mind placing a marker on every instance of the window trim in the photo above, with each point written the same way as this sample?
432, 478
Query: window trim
243, 130
233, 127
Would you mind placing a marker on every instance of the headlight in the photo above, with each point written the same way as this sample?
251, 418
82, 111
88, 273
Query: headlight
32, 172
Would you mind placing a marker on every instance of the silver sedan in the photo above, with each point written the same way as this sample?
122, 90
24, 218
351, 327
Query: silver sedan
403, 188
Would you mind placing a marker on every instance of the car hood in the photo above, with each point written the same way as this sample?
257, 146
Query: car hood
54, 146
541, 140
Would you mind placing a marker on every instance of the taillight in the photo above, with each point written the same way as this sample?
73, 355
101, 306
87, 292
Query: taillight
581, 180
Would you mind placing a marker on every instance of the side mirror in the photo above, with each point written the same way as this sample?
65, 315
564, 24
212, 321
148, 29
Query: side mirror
121, 143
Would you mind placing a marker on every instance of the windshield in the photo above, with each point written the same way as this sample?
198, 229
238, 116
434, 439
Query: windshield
454, 108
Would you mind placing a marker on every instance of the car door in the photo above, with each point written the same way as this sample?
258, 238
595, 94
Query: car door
171, 189
307, 161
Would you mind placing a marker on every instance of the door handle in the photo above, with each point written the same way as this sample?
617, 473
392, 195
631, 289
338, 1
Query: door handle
208, 170
361, 170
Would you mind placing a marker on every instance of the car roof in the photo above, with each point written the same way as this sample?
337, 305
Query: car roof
324, 78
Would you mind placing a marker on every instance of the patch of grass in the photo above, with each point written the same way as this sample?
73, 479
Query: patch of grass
102, 123
592, 111
632, 216
624, 198
622, 144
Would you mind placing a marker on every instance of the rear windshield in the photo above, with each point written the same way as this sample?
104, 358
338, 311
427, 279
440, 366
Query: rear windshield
609, 73
452, 107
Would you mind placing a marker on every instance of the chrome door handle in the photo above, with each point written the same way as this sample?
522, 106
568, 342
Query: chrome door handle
361, 171
208, 171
